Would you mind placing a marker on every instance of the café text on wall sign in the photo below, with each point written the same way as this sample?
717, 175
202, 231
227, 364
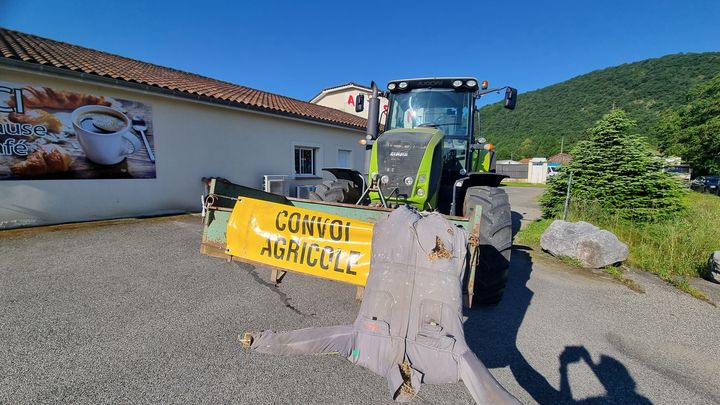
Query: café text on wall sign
50, 133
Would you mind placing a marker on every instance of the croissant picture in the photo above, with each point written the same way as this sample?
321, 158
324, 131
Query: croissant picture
47, 159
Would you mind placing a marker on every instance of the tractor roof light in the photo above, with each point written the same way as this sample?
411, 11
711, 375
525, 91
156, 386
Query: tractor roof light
484, 85
392, 86
471, 83
403, 85
457, 83
384, 179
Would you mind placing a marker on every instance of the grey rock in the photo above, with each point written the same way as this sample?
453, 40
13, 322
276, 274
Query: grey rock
560, 238
592, 246
600, 249
713, 269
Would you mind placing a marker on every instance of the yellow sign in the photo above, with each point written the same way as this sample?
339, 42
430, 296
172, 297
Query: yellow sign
299, 239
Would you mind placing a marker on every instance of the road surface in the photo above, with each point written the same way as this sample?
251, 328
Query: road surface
133, 313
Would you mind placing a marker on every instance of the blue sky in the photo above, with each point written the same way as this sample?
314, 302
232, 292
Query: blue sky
297, 48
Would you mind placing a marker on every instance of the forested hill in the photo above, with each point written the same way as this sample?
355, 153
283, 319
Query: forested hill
644, 89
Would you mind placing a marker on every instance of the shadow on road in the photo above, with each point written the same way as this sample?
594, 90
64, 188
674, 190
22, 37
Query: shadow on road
492, 333
516, 218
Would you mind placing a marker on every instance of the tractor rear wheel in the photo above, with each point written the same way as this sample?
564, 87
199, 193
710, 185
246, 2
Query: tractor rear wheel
342, 191
495, 242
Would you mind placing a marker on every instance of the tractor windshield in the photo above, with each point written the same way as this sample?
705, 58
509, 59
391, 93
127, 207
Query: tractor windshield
446, 109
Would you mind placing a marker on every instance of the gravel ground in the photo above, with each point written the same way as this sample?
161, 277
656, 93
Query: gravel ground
133, 313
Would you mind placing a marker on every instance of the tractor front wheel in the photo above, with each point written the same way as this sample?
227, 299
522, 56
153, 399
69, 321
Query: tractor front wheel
341, 191
495, 242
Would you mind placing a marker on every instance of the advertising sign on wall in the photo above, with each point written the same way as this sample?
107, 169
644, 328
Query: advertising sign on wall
48, 133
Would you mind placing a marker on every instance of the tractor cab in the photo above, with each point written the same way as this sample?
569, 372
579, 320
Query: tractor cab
428, 144
446, 109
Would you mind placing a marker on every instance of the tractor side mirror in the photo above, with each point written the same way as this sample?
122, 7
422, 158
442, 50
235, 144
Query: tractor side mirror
510, 98
360, 103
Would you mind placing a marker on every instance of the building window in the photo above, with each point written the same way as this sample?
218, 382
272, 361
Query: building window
305, 161
344, 158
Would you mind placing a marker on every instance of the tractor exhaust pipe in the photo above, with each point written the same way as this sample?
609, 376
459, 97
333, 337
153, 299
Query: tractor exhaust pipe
373, 113
372, 124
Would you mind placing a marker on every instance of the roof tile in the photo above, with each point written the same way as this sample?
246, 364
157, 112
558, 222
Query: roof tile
34, 49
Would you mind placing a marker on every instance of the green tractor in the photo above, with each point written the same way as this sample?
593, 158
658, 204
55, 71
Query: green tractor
428, 157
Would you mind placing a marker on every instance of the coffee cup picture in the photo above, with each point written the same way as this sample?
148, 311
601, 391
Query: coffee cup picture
104, 134
62, 134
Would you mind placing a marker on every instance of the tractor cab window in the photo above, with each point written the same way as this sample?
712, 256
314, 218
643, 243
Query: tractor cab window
446, 109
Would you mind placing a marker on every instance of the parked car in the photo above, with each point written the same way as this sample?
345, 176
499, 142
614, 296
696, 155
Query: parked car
706, 184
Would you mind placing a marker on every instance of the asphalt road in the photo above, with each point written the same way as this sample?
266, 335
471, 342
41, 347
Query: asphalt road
133, 313
524, 204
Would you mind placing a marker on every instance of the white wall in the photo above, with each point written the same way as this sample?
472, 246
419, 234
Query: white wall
192, 140
537, 170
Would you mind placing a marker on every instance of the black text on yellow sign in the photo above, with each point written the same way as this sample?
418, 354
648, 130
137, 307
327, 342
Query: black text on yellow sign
299, 239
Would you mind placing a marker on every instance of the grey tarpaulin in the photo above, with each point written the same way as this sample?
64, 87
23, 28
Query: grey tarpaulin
409, 329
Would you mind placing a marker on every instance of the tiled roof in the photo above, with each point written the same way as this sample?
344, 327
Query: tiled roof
37, 50
560, 158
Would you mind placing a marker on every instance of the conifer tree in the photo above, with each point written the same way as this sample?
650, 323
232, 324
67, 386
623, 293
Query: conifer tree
616, 171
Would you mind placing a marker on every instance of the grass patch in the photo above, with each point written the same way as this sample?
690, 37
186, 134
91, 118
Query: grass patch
617, 274
674, 250
677, 248
530, 235
682, 284
523, 184
570, 261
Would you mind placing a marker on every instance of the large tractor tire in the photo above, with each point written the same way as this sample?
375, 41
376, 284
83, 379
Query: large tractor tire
495, 242
341, 191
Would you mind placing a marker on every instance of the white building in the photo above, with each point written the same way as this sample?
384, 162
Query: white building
344, 98
195, 127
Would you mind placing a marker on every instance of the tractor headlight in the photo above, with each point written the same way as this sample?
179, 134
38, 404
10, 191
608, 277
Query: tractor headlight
403, 85
392, 86
384, 179
420, 192
471, 83
408, 181
457, 83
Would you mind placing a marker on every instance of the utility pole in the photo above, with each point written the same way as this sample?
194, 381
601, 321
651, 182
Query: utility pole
566, 208
562, 144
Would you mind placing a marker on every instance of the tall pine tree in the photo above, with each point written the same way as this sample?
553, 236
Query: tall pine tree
616, 171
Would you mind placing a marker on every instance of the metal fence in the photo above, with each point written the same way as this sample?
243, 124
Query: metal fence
514, 171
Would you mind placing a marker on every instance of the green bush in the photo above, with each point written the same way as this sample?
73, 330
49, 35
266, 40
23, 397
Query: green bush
673, 249
616, 172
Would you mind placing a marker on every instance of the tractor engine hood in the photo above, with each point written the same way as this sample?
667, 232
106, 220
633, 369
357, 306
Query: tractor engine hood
405, 156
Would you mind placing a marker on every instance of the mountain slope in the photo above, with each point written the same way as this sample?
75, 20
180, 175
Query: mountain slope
644, 89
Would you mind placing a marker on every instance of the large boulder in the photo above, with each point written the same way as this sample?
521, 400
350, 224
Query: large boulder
713, 269
591, 246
